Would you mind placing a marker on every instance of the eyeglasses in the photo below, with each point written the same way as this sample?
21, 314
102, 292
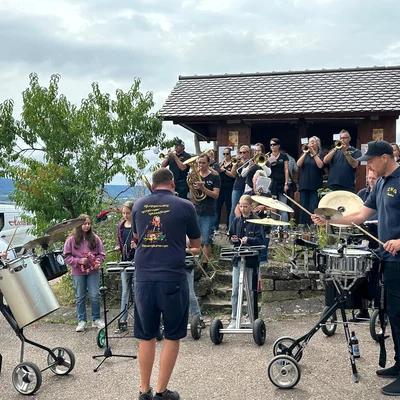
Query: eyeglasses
243, 152
344, 137
273, 144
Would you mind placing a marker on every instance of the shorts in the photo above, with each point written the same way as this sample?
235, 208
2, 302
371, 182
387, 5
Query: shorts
206, 223
171, 299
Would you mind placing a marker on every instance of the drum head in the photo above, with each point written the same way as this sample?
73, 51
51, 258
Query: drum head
350, 252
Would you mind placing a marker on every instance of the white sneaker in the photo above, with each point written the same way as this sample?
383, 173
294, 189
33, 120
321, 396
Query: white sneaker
98, 323
189, 326
232, 324
81, 326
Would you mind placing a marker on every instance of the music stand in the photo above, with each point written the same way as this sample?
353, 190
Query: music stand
107, 352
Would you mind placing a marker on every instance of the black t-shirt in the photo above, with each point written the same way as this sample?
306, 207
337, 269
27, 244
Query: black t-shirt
311, 175
162, 222
278, 170
207, 206
179, 175
227, 181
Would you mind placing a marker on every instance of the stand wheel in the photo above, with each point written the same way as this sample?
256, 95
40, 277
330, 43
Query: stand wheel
64, 363
27, 378
101, 338
160, 333
375, 325
195, 327
259, 331
215, 335
284, 372
281, 347
330, 326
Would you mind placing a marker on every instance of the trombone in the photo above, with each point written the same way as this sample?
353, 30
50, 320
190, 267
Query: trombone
259, 159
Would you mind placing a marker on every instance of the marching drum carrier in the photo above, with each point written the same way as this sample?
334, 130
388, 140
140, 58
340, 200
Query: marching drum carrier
28, 298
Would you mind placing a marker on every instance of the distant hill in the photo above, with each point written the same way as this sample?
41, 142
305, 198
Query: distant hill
124, 192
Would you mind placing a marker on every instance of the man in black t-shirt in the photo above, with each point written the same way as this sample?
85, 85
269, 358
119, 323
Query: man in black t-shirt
205, 209
161, 222
180, 170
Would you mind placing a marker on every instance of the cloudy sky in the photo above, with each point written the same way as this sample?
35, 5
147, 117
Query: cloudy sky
113, 41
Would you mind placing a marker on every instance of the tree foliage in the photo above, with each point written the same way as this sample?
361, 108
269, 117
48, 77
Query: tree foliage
60, 156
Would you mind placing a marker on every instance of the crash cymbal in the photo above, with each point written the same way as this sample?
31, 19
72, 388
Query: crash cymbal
328, 213
340, 200
43, 241
268, 221
66, 225
272, 203
191, 160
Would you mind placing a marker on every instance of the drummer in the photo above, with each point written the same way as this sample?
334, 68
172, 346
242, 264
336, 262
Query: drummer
385, 199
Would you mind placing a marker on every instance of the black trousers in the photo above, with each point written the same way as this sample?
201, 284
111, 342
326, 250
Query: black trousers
182, 188
391, 278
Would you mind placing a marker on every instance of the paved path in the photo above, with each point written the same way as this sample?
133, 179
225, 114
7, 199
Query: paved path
234, 370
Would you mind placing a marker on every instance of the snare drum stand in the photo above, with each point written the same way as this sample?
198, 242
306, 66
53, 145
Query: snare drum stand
107, 352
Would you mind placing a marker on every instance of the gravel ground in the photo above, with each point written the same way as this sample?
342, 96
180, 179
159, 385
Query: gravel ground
235, 369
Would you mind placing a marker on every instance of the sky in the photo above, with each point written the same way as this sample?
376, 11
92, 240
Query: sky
112, 42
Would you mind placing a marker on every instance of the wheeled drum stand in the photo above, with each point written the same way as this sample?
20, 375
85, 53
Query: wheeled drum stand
256, 326
29, 298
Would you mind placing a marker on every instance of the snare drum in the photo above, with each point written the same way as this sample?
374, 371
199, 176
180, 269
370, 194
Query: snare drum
352, 262
27, 290
53, 264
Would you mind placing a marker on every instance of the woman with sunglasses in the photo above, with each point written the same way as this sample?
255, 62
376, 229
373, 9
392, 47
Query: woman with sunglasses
225, 194
279, 174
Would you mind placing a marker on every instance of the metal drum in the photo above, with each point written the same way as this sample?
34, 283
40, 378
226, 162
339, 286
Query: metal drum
53, 264
27, 290
350, 263
117, 267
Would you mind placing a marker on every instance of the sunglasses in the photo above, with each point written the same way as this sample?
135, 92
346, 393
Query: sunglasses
273, 144
243, 152
226, 154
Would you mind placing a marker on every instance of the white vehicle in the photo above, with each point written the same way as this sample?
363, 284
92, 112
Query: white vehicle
10, 218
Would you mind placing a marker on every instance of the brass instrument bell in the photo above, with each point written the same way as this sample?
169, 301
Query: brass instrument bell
305, 148
338, 144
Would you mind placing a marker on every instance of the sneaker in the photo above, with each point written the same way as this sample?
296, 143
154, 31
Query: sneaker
81, 326
168, 395
189, 326
232, 324
391, 372
147, 395
98, 323
202, 324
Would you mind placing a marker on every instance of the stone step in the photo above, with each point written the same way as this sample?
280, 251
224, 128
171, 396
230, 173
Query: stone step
219, 307
223, 278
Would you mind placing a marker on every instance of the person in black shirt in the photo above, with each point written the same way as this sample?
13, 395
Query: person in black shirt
180, 170
225, 194
210, 185
312, 171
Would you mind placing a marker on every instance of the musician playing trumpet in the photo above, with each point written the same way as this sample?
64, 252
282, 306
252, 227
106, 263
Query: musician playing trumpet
342, 161
175, 163
311, 176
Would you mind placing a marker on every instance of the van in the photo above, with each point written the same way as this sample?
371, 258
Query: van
10, 219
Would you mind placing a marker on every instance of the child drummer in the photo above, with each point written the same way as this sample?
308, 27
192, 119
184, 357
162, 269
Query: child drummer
246, 234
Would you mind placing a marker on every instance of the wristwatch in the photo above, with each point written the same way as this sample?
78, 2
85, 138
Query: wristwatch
286, 183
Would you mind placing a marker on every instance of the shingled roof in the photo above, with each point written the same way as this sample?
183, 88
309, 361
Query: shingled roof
301, 93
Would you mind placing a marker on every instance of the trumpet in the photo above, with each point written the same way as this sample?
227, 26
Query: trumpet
305, 148
234, 160
338, 144
163, 156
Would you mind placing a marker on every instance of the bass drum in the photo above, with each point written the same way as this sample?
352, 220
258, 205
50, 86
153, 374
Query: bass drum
53, 264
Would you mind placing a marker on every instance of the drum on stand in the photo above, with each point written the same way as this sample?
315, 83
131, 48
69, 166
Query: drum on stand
53, 264
26, 290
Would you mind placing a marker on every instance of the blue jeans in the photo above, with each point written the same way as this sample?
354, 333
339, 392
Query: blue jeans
236, 194
284, 214
225, 196
91, 284
126, 280
235, 288
309, 200
194, 308
206, 225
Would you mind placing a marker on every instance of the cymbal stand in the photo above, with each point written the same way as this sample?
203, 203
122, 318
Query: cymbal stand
107, 352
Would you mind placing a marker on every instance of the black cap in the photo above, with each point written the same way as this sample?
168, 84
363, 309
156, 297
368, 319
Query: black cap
179, 142
376, 148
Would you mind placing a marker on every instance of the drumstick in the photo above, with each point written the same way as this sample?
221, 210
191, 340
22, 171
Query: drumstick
12, 237
298, 205
367, 233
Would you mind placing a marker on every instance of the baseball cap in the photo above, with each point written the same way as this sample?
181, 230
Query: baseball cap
179, 142
376, 148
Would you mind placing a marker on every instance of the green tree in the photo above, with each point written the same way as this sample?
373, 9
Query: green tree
60, 156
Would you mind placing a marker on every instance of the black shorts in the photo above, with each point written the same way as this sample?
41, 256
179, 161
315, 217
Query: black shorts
171, 299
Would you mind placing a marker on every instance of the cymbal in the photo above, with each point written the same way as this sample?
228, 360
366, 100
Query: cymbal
268, 221
272, 203
66, 225
328, 212
343, 201
191, 160
43, 241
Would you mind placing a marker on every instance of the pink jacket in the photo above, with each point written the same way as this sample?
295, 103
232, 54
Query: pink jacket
74, 256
